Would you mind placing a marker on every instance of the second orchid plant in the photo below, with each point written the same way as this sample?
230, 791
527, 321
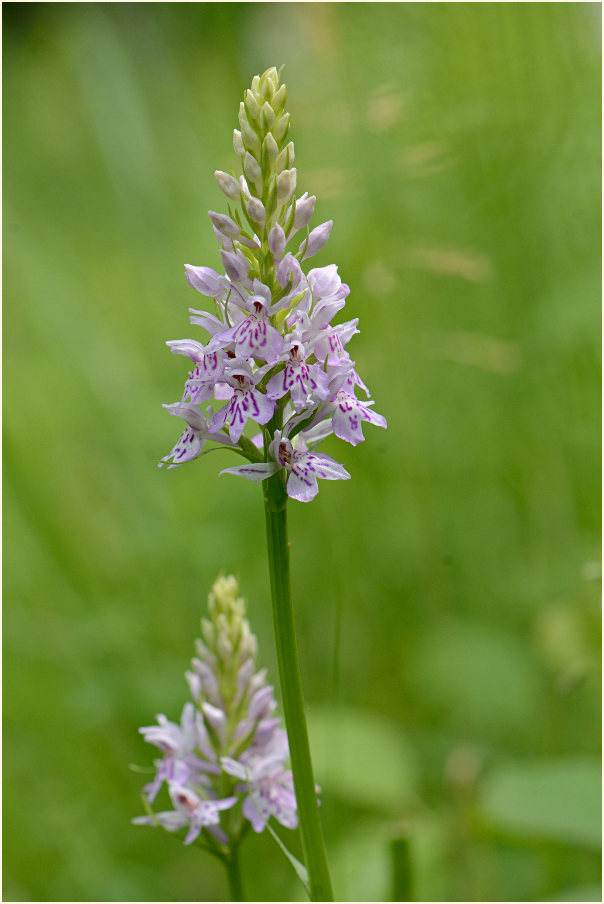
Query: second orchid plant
273, 358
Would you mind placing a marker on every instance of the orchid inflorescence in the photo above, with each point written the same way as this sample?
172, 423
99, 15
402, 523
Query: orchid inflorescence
229, 748
273, 355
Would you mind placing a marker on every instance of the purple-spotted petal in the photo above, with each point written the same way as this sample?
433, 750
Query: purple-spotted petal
326, 467
256, 812
302, 485
256, 338
257, 471
245, 403
348, 417
188, 447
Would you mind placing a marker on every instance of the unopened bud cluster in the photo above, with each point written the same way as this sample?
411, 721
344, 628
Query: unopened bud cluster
269, 178
273, 355
229, 752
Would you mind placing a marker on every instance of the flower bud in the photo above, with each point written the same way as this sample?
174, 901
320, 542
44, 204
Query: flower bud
262, 703
252, 106
224, 224
236, 265
208, 681
253, 171
256, 86
280, 128
250, 138
285, 158
204, 280
244, 187
228, 184
289, 266
222, 623
255, 210
215, 719
209, 634
276, 242
324, 281
258, 681
270, 150
244, 674
238, 143
286, 185
279, 99
305, 207
316, 240
224, 647
268, 116
249, 645
269, 81
204, 654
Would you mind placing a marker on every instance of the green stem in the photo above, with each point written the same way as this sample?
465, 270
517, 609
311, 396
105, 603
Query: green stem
291, 688
231, 863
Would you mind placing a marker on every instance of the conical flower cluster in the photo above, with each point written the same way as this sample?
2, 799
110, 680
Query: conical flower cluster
229, 752
273, 355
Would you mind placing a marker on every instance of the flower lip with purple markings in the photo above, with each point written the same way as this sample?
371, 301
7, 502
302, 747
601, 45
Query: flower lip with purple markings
303, 467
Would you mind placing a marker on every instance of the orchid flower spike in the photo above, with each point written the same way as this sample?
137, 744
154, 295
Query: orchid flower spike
228, 753
273, 357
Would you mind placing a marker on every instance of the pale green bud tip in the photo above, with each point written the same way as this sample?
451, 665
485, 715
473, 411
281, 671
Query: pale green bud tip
224, 646
279, 99
251, 105
266, 89
238, 143
271, 150
285, 158
249, 137
281, 126
268, 115
269, 83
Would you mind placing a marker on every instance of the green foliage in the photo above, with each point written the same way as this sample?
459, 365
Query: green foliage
558, 800
362, 758
451, 587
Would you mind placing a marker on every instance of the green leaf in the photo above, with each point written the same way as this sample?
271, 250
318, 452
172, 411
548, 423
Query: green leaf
300, 869
360, 865
362, 757
557, 800
476, 678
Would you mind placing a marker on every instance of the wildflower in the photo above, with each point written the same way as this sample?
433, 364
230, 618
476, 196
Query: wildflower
229, 751
275, 354
269, 787
246, 402
303, 467
189, 810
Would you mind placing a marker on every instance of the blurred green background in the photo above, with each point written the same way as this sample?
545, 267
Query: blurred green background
448, 596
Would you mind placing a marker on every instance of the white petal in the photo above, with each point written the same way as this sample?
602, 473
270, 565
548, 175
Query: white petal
255, 472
